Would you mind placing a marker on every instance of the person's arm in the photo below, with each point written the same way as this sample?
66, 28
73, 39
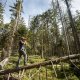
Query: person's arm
22, 42
27, 44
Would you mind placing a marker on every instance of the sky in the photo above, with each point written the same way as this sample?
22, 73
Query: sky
34, 7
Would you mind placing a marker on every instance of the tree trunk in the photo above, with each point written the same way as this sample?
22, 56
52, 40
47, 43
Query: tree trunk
9, 42
74, 30
10, 38
42, 51
64, 29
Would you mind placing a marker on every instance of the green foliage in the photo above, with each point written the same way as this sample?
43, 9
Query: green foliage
22, 31
44, 33
37, 59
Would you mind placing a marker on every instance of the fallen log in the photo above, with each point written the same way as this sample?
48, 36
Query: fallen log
3, 63
49, 62
75, 69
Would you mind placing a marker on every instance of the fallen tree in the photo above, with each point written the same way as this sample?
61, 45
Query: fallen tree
3, 63
49, 62
75, 69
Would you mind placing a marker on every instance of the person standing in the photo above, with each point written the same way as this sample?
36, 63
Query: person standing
22, 50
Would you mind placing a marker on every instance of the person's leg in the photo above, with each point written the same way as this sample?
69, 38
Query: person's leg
17, 65
25, 57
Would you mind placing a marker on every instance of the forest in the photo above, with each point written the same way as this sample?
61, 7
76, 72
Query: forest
53, 38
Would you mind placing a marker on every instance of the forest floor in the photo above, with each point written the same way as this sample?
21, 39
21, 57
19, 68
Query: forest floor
34, 74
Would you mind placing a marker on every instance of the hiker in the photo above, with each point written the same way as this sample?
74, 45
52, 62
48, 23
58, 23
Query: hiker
22, 50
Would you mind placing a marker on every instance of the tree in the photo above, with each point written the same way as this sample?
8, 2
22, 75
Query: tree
77, 21
1, 14
74, 29
22, 31
34, 25
45, 33
17, 9
64, 29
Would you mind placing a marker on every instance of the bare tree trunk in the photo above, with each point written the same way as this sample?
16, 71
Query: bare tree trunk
42, 55
74, 30
64, 29
9, 42
7, 50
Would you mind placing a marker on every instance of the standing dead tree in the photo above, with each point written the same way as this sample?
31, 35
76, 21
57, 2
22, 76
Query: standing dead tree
74, 30
7, 50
